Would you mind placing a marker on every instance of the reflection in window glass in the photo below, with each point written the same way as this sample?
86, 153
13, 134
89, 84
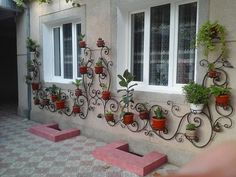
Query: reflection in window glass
57, 52
78, 32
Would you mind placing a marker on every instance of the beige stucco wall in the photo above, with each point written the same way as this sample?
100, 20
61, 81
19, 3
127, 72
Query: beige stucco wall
101, 21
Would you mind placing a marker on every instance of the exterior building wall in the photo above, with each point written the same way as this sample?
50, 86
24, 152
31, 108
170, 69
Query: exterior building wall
101, 21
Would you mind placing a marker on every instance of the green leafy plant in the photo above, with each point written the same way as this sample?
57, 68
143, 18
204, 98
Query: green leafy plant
31, 45
219, 90
208, 33
211, 66
81, 37
99, 63
104, 86
53, 90
158, 113
77, 82
82, 63
21, 3
191, 127
196, 94
108, 113
127, 97
59, 98
143, 107
74, 3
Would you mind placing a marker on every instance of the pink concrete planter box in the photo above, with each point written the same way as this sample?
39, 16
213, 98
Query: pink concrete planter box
53, 133
118, 154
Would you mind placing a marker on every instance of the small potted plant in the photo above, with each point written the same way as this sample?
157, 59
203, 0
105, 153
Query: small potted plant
83, 67
53, 90
143, 112
106, 94
82, 43
210, 35
32, 46
159, 120
30, 66
28, 79
127, 98
77, 83
76, 108
60, 103
100, 42
109, 116
36, 100
190, 132
222, 94
197, 95
212, 73
99, 66
35, 85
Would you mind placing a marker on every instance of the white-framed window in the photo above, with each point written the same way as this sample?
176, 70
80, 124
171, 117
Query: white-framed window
66, 51
162, 52
158, 42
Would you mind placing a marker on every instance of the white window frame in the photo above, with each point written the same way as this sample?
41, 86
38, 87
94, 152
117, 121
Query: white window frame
124, 18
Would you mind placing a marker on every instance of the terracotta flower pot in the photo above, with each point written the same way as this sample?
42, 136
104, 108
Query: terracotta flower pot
60, 104
78, 92
190, 134
158, 124
144, 115
36, 101
45, 102
128, 118
106, 95
98, 69
83, 69
100, 43
35, 86
109, 117
212, 74
82, 44
76, 109
53, 98
222, 100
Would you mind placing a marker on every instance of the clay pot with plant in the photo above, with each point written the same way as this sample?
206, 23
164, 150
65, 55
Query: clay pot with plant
53, 90
36, 100
127, 97
158, 120
35, 85
76, 108
143, 111
78, 83
212, 73
197, 95
60, 103
210, 36
99, 66
109, 116
100, 42
222, 95
82, 43
83, 67
106, 94
190, 131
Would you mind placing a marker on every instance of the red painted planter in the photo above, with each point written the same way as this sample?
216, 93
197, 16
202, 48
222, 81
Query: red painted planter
212, 74
143, 115
53, 98
76, 109
106, 95
35, 86
158, 124
128, 118
36, 101
60, 104
222, 100
83, 69
82, 44
78, 92
98, 69
100, 43
109, 117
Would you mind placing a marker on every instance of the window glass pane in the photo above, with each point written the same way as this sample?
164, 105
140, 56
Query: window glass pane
186, 38
57, 52
78, 32
67, 48
137, 45
159, 45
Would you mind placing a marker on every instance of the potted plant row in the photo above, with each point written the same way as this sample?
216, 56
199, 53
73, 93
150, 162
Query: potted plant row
159, 120
222, 95
53, 90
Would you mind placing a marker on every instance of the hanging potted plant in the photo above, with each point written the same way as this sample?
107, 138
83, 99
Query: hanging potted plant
197, 95
30, 66
77, 83
109, 116
82, 43
159, 120
143, 112
32, 46
35, 85
127, 97
222, 95
190, 131
212, 73
99, 66
106, 94
28, 79
60, 103
100, 42
76, 108
83, 67
210, 35
53, 92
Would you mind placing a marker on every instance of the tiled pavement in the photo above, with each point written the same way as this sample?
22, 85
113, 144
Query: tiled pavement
25, 155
